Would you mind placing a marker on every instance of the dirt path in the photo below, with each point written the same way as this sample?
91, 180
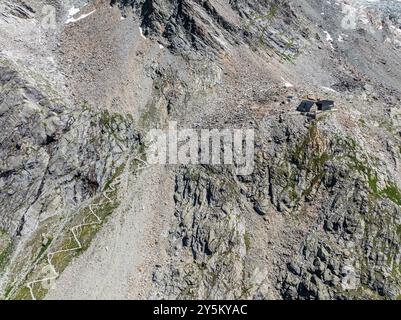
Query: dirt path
119, 263
106, 68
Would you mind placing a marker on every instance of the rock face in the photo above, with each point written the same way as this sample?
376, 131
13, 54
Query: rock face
54, 158
198, 25
319, 217
42, 172
350, 249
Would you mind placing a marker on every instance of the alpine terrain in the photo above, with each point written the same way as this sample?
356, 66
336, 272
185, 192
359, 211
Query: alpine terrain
312, 213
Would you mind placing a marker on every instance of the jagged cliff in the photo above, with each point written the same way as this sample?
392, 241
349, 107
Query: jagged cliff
83, 214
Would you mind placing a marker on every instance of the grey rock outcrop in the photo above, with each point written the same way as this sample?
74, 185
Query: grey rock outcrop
318, 218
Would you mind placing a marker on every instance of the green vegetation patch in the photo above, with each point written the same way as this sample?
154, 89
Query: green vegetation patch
247, 240
65, 249
5, 248
392, 192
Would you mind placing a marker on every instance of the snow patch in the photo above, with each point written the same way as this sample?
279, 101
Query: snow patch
329, 89
73, 11
72, 20
329, 39
141, 32
287, 84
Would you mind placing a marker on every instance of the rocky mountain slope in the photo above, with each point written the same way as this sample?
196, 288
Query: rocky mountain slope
84, 214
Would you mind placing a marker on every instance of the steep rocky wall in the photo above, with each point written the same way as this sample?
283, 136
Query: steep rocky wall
199, 26
331, 195
54, 158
